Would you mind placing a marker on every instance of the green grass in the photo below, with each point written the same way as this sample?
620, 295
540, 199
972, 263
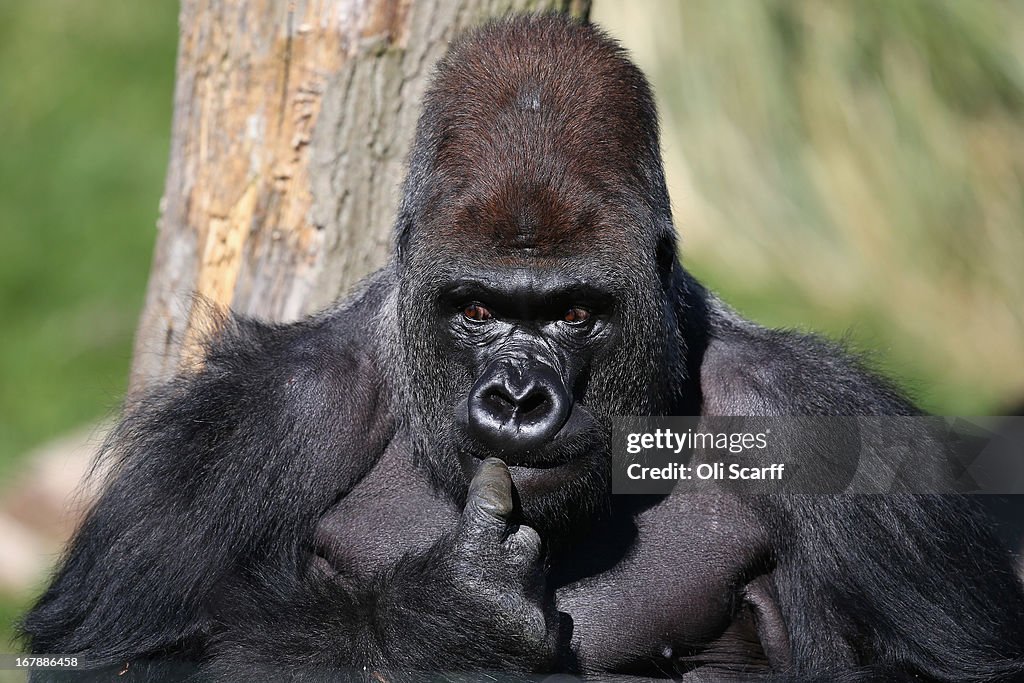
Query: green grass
11, 610
85, 105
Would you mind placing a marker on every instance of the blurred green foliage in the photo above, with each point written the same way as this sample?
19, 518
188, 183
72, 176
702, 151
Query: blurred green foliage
855, 168
85, 104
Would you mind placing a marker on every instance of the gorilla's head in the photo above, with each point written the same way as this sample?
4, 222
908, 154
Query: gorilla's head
535, 253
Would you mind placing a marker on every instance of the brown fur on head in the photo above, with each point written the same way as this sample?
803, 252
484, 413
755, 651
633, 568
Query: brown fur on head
534, 131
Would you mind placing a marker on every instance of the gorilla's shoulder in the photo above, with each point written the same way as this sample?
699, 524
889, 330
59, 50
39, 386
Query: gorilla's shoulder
752, 370
305, 374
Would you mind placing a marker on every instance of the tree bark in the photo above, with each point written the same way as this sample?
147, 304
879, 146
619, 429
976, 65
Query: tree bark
292, 121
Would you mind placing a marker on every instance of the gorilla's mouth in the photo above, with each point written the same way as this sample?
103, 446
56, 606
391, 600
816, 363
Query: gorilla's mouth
579, 434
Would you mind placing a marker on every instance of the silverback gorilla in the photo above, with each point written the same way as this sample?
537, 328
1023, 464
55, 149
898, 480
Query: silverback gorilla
418, 480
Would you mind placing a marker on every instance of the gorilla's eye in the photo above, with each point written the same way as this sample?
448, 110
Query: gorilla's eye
477, 313
576, 316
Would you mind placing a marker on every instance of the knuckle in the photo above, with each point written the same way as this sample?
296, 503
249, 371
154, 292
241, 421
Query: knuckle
525, 544
481, 516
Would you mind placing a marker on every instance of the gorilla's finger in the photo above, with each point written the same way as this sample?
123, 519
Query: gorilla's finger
490, 492
525, 543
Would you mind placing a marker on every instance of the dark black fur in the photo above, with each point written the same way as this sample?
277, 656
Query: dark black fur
308, 505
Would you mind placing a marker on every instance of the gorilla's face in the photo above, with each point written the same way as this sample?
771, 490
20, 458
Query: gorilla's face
525, 355
528, 338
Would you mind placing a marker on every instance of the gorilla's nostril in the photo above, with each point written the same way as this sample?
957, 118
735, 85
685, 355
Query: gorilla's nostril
500, 403
534, 406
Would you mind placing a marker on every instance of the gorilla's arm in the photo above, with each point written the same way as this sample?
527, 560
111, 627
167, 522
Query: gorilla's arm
199, 544
475, 601
221, 471
851, 569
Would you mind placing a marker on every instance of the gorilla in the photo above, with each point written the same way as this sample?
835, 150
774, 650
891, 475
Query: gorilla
416, 482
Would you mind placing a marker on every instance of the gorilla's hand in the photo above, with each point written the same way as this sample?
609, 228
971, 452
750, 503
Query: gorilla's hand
499, 562
476, 600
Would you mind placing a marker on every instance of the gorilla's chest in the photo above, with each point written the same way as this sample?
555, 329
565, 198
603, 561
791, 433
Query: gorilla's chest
669, 588
390, 513
676, 598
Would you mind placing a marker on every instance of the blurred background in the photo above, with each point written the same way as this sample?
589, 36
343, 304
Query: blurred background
855, 168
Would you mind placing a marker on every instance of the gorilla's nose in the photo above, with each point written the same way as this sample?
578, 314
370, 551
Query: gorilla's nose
515, 408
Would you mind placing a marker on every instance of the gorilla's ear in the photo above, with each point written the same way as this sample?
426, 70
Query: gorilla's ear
403, 233
665, 254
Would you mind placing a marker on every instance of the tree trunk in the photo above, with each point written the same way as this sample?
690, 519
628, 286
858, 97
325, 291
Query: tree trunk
292, 121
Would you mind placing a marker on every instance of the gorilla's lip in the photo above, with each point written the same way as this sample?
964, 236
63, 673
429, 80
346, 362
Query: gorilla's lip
553, 476
576, 435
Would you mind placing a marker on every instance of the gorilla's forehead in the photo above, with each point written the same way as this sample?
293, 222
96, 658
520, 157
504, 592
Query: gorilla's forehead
540, 212
531, 219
